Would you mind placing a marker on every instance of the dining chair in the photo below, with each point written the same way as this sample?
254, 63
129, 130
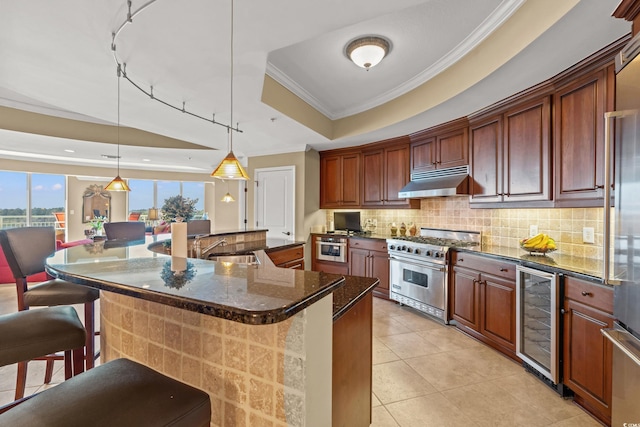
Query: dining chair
26, 250
127, 230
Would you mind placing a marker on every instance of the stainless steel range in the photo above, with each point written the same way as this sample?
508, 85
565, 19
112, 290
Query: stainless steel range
419, 268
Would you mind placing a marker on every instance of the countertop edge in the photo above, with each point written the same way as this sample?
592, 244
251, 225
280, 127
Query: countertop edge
360, 293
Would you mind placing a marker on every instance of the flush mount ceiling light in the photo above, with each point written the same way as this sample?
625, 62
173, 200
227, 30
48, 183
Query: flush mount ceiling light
118, 184
367, 52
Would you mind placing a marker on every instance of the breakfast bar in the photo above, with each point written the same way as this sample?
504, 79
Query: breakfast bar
257, 338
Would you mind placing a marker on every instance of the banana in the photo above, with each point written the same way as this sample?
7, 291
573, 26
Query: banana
540, 242
534, 241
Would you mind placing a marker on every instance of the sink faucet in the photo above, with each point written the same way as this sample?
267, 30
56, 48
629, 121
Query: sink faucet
198, 245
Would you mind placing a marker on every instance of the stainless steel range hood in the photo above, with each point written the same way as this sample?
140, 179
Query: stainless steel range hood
437, 183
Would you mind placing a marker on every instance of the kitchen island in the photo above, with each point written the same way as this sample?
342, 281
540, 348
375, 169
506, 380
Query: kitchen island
257, 338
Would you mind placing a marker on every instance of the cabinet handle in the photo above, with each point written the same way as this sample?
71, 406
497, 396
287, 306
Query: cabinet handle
563, 311
597, 187
461, 259
586, 294
503, 269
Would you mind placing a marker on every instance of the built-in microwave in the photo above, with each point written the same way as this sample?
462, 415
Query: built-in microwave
331, 249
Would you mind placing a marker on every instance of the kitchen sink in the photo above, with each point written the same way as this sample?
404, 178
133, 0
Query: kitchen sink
236, 259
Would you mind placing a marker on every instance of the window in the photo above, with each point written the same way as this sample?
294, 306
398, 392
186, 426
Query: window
141, 196
146, 194
167, 189
195, 190
31, 199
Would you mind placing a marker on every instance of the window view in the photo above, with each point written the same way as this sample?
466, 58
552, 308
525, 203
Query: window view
47, 194
195, 190
141, 197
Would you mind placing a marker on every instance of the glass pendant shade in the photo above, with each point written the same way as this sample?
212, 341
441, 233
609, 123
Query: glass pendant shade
230, 168
367, 52
117, 184
227, 198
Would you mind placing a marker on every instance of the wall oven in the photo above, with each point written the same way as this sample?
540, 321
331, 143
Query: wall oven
537, 324
331, 248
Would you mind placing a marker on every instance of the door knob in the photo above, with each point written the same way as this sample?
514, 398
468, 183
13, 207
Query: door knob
288, 233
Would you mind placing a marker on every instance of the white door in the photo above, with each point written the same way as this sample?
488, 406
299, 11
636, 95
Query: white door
275, 200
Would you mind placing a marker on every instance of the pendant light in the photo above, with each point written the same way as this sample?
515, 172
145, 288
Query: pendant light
118, 184
230, 167
227, 198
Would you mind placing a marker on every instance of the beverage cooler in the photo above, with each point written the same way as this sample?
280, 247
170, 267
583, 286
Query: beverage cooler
537, 324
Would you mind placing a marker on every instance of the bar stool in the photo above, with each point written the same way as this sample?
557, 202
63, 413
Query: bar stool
120, 393
30, 334
26, 250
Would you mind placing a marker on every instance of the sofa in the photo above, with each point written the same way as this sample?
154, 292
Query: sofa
6, 276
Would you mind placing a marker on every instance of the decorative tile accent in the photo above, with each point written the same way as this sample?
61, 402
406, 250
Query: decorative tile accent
242, 367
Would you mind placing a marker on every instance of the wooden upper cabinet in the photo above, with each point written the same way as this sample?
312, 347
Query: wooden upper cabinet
579, 138
385, 170
630, 11
486, 160
526, 152
444, 146
340, 180
510, 154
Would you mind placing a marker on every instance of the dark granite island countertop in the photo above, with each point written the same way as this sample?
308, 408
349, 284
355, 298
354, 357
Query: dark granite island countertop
251, 294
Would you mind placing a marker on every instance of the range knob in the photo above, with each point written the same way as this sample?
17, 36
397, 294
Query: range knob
437, 254
392, 247
404, 248
428, 253
409, 250
417, 251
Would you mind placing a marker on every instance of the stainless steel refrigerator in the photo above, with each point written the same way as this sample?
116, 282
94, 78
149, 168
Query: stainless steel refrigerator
622, 235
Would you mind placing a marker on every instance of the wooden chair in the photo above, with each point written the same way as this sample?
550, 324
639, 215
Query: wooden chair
26, 250
124, 230
60, 225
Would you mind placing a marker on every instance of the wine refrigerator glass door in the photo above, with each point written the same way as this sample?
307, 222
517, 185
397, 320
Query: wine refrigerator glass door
537, 320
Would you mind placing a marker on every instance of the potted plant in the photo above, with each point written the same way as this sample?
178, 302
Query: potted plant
178, 207
96, 224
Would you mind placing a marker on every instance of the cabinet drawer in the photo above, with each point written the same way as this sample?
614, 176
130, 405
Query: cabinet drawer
368, 244
483, 264
597, 296
286, 255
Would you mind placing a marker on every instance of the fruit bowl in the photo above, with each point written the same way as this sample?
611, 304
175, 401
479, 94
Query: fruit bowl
539, 244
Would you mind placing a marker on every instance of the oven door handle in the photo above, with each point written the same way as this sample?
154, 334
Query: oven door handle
430, 266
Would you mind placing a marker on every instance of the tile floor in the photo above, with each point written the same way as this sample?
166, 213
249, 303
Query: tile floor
424, 374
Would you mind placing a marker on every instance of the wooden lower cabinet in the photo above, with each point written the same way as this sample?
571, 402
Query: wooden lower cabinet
352, 366
483, 300
369, 258
288, 258
587, 353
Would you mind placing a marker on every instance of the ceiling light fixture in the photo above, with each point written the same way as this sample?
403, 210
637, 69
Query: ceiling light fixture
118, 184
227, 198
230, 167
367, 52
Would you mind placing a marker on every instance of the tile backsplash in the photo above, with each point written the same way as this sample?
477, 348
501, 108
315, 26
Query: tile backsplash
501, 227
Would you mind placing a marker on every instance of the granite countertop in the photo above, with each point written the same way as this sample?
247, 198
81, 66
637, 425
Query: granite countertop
587, 268
252, 294
353, 290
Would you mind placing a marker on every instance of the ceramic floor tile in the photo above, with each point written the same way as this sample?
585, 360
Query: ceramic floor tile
409, 345
382, 353
449, 339
535, 393
433, 410
384, 326
375, 401
583, 420
444, 370
417, 322
488, 405
396, 381
380, 417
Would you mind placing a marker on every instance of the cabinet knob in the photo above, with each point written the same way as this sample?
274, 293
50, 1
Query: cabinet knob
461, 259
563, 311
586, 294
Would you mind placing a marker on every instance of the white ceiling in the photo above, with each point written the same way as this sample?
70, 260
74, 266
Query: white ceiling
57, 60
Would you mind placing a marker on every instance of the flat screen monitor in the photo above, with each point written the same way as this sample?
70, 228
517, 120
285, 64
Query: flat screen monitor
349, 221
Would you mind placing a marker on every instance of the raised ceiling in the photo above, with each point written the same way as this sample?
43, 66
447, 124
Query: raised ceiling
294, 88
